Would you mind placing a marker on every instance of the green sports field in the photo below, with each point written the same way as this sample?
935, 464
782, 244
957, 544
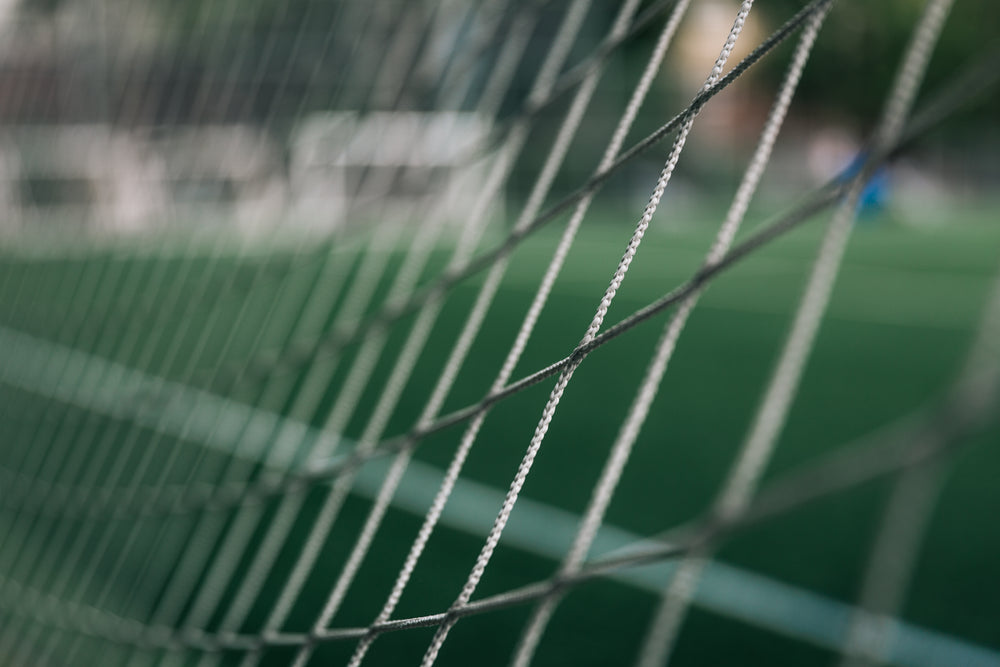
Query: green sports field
900, 321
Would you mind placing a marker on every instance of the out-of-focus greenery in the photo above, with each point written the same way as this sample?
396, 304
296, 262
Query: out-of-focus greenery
862, 42
303, 51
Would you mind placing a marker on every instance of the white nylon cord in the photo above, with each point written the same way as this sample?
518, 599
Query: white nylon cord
211, 526
465, 339
756, 451
228, 557
619, 276
407, 359
79, 540
416, 340
620, 451
527, 326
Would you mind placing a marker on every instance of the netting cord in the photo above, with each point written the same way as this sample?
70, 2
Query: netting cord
224, 561
755, 453
527, 326
566, 375
622, 447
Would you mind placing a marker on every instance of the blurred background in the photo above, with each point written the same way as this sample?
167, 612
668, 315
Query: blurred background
133, 115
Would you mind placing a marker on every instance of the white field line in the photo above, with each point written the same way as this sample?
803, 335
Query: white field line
31, 364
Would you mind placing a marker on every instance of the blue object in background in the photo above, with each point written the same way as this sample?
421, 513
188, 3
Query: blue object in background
875, 195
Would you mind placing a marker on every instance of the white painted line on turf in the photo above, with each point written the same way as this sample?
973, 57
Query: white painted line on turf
39, 367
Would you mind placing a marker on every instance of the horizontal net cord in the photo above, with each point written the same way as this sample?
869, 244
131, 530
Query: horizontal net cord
930, 432
46, 609
185, 499
287, 359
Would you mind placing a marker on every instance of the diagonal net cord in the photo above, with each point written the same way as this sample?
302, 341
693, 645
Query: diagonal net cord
465, 339
788, 492
277, 532
131, 536
69, 501
524, 333
883, 452
153, 554
620, 451
183, 569
744, 477
619, 276
76, 550
407, 358
904, 523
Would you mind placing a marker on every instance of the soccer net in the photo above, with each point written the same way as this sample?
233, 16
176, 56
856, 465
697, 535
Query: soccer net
307, 358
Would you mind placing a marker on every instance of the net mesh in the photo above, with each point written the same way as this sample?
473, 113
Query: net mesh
270, 269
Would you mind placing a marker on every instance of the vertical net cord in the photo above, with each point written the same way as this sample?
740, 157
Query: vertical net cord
227, 556
80, 283
622, 447
303, 405
275, 537
179, 286
130, 342
188, 372
88, 571
527, 326
464, 341
233, 546
759, 445
518, 482
160, 561
239, 537
192, 560
419, 333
